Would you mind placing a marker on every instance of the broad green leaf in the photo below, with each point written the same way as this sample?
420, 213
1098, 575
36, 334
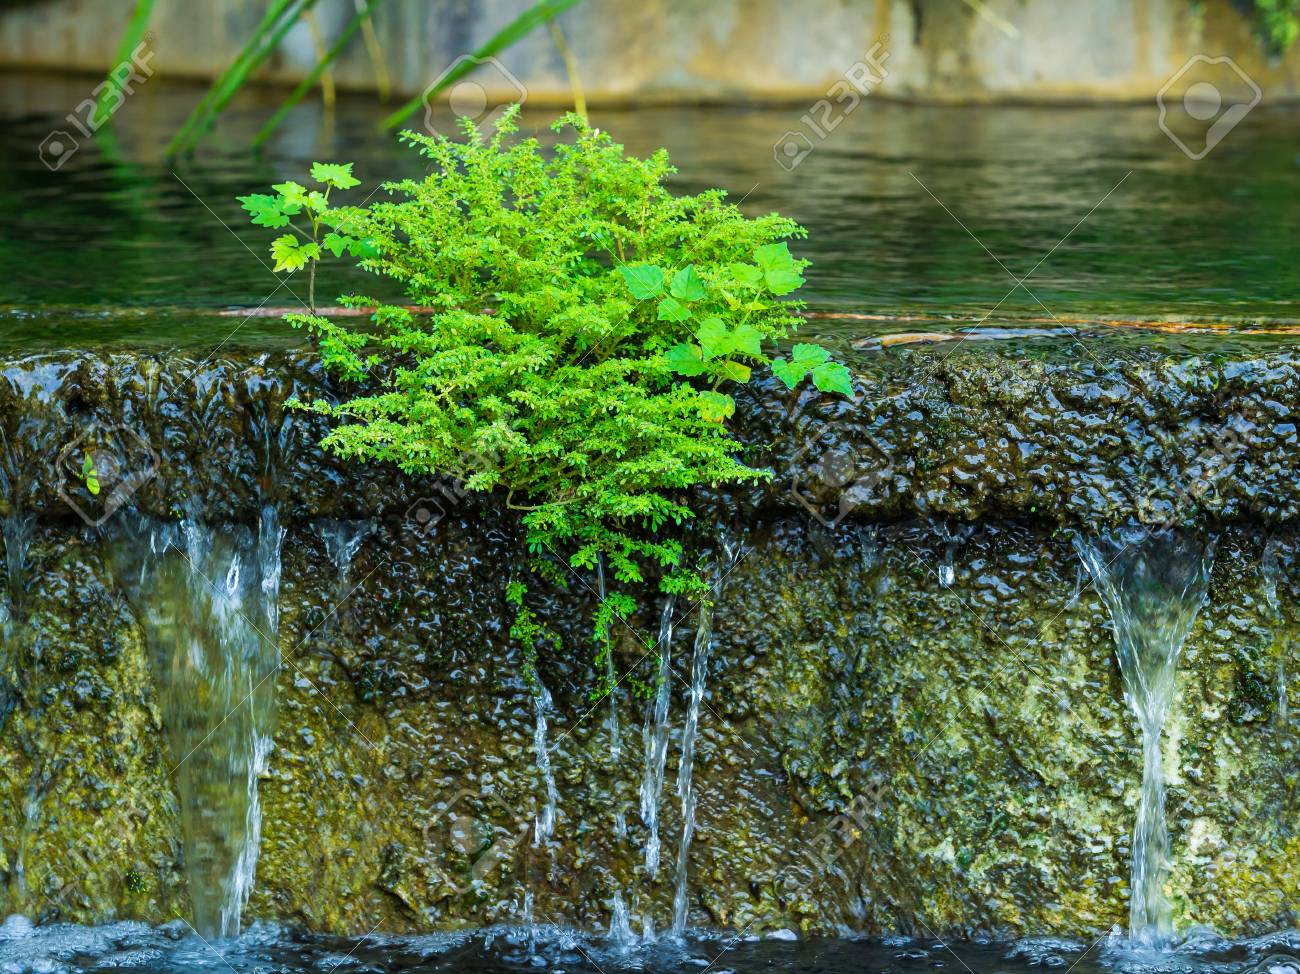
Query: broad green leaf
670, 309
290, 256
716, 407
317, 202
685, 359
714, 338
735, 371
643, 280
809, 355
747, 274
336, 243
687, 285
775, 257
338, 175
833, 377
791, 373
747, 340
363, 248
265, 210
783, 280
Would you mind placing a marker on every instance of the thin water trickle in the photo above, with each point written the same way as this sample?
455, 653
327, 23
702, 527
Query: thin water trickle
545, 822
620, 926
208, 601
1153, 584
655, 738
685, 774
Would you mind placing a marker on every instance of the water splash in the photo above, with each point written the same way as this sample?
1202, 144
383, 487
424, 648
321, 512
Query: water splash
620, 926
208, 601
545, 822
1153, 585
685, 772
655, 738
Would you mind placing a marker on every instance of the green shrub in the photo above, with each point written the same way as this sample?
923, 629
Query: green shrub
577, 332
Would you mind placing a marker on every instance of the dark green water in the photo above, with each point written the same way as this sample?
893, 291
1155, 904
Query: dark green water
116, 246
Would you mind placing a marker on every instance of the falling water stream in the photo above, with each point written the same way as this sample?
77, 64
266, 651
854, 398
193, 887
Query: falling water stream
1153, 584
685, 773
208, 599
545, 823
655, 738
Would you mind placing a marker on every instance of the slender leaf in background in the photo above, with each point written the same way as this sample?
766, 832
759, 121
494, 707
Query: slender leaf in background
282, 15
383, 84
327, 92
309, 82
516, 30
135, 29
570, 68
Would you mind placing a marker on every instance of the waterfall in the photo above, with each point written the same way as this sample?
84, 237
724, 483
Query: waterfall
1153, 584
620, 927
685, 784
655, 738
209, 602
545, 823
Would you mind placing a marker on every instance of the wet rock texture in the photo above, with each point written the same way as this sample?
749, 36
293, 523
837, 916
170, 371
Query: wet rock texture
913, 719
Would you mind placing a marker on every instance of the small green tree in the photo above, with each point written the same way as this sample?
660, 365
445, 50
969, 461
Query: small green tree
583, 332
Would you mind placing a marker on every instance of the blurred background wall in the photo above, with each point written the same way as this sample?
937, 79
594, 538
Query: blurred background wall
640, 51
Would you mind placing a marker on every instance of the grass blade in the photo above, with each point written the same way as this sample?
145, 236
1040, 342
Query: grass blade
309, 82
279, 18
135, 28
516, 30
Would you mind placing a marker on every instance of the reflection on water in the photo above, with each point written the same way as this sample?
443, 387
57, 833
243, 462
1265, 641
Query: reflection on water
114, 227
175, 949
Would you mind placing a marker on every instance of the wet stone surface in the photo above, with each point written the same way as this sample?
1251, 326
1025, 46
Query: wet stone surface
909, 724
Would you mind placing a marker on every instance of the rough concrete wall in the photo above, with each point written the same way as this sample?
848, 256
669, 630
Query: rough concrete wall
726, 50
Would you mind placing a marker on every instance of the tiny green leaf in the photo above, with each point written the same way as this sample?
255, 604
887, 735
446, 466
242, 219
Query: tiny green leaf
334, 174
687, 285
833, 377
670, 309
643, 280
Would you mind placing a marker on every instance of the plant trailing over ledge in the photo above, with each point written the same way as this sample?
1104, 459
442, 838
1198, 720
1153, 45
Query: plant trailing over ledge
581, 333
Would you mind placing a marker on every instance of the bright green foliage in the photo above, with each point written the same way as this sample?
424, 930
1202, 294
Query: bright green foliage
1278, 24
583, 334
293, 253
